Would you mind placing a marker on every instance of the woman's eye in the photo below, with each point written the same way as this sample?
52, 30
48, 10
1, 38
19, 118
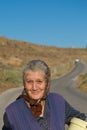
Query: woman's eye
39, 81
29, 81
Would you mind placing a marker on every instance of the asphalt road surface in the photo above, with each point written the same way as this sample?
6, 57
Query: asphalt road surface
65, 85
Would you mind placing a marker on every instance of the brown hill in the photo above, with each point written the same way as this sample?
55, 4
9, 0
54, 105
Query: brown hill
14, 54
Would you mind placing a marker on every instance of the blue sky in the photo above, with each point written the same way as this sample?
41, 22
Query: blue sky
61, 23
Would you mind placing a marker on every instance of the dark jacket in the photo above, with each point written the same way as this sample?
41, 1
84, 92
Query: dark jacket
19, 117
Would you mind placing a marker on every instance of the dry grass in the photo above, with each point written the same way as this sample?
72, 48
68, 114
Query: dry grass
14, 54
82, 82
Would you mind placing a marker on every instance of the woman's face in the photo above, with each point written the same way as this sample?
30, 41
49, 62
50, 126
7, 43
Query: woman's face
35, 84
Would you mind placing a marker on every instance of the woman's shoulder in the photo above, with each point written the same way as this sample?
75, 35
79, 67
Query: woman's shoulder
55, 95
14, 103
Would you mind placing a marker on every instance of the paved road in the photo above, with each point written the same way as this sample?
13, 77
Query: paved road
64, 85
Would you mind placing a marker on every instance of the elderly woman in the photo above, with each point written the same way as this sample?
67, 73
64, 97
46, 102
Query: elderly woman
36, 108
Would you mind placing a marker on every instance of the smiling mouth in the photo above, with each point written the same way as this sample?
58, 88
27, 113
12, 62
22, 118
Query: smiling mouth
35, 92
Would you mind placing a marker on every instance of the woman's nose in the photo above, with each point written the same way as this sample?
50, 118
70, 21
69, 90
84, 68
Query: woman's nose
34, 86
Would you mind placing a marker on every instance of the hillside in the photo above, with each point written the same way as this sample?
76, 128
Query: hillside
14, 54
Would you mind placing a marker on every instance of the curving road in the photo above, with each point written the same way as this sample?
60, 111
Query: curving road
65, 85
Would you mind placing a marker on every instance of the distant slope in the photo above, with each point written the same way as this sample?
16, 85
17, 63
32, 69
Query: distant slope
24, 51
14, 54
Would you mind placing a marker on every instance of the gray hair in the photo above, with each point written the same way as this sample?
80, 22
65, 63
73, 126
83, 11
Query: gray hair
35, 65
